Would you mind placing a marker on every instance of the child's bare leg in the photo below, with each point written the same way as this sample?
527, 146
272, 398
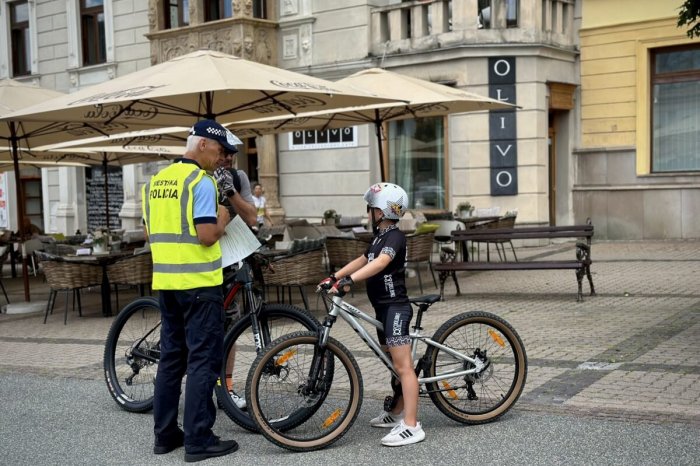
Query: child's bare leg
403, 363
398, 400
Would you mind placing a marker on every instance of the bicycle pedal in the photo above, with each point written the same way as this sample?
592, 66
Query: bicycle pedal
389, 403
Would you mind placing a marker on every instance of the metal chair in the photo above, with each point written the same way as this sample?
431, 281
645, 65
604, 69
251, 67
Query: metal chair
419, 249
507, 221
28, 249
62, 275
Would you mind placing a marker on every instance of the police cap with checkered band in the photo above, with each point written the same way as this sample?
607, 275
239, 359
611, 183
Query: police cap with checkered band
210, 129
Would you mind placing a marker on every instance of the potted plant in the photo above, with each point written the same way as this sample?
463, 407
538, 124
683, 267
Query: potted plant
330, 217
100, 240
465, 209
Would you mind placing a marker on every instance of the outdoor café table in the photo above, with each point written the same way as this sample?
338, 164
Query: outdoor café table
102, 260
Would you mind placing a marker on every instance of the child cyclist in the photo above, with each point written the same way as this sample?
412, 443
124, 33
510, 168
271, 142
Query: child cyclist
383, 266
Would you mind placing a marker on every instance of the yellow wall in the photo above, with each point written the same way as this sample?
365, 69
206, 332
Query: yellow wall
600, 13
615, 79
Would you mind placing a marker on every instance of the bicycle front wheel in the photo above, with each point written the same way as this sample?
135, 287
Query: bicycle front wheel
240, 350
131, 355
501, 365
294, 410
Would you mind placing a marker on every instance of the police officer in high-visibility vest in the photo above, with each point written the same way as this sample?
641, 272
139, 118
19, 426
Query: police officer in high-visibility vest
184, 223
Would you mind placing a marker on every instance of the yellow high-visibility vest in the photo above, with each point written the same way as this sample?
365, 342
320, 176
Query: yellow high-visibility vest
180, 261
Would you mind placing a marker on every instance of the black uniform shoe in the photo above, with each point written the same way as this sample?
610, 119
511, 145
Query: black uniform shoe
220, 448
161, 448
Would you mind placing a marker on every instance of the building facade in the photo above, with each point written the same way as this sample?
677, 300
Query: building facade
581, 145
638, 159
67, 45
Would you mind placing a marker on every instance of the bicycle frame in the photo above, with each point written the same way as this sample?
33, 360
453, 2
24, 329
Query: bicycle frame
351, 314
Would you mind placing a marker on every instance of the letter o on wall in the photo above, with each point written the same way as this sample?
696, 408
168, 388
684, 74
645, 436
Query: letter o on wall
504, 179
497, 66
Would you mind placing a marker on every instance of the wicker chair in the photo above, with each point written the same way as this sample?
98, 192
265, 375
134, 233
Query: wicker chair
66, 276
135, 270
507, 221
295, 270
418, 251
340, 251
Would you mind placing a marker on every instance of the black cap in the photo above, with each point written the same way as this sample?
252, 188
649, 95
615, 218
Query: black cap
210, 129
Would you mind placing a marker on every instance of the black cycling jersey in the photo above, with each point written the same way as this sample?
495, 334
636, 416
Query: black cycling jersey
388, 286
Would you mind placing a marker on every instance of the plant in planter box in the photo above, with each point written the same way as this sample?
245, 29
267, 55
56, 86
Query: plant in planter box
465, 209
100, 240
330, 217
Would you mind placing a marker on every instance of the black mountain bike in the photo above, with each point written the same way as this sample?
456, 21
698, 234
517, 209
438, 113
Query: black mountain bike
132, 349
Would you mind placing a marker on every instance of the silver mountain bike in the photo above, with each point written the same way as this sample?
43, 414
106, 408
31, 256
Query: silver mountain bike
473, 370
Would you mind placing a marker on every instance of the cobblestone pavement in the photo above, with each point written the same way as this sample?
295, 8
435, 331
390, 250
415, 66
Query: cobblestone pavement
630, 352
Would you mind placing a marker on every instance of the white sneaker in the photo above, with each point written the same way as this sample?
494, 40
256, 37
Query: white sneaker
404, 435
239, 401
386, 419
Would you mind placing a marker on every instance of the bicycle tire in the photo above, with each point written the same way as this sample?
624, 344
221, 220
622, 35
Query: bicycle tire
497, 387
130, 378
240, 346
274, 396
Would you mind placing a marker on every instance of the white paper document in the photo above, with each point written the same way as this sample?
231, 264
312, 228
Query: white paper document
238, 242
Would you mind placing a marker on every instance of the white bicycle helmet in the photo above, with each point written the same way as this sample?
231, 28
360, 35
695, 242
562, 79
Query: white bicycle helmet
391, 199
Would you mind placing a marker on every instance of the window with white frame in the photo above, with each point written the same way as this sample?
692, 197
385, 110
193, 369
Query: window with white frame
675, 109
92, 32
19, 38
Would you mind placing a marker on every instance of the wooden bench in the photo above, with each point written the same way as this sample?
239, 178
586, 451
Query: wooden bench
581, 264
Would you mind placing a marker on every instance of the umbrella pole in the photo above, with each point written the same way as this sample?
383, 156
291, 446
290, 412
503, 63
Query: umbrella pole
378, 130
104, 168
20, 206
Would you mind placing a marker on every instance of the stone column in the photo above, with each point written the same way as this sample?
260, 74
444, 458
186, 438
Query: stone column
269, 176
135, 176
464, 15
71, 213
131, 213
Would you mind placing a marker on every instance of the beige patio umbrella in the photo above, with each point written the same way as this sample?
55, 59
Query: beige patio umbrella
18, 137
10, 166
165, 141
202, 84
425, 99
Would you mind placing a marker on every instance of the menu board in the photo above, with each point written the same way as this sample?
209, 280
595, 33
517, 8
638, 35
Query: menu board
97, 198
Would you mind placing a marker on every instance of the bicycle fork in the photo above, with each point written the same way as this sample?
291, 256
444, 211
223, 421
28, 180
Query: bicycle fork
314, 380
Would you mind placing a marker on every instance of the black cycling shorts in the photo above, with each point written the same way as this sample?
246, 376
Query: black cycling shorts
396, 319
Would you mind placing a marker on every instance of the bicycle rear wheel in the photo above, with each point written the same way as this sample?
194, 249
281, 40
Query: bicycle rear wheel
487, 394
131, 355
240, 352
295, 412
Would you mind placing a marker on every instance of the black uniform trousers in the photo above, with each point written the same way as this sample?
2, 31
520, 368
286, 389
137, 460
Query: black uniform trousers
191, 341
